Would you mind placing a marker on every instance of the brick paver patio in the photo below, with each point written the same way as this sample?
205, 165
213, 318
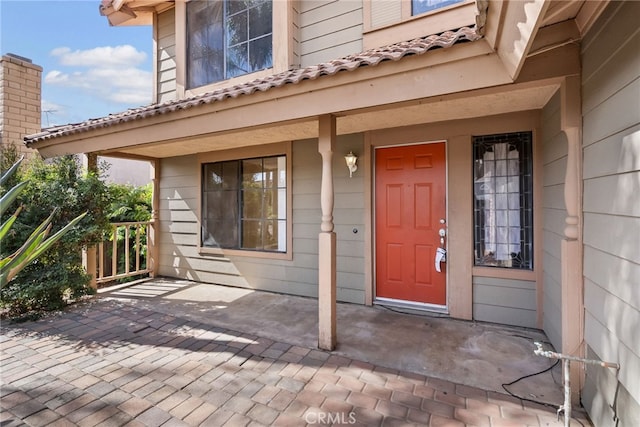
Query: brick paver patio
112, 363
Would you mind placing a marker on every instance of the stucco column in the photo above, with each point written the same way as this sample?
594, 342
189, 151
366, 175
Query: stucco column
90, 164
153, 232
327, 239
571, 246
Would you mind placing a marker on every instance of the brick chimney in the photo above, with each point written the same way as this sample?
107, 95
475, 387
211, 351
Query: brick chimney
20, 100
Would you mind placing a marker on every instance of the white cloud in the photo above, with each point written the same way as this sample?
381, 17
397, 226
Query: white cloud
108, 73
56, 77
105, 56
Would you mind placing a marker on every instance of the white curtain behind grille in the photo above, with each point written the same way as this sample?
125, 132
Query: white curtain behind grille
502, 202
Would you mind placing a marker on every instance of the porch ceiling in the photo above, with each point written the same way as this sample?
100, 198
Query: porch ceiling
480, 103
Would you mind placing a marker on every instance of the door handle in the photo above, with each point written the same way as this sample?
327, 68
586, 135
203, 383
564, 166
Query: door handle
441, 252
441, 256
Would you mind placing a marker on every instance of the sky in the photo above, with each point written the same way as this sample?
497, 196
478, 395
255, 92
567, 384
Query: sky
90, 69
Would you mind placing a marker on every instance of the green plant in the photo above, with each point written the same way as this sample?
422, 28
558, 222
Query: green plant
57, 275
39, 240
128, 204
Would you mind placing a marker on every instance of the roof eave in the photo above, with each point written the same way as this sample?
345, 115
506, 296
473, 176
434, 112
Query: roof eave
370, 58
132, 12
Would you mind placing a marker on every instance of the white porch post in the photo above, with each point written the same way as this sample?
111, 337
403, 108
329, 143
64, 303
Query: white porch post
90, 163
154, 230
571, 246
327, 239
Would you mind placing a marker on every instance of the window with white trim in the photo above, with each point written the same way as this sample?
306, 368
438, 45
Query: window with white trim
244, 204
227, 38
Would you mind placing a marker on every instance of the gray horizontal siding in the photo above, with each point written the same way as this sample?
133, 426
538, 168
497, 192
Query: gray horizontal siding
295, 33
329, 30
619, 276
613, 234
179, 255
599, 382
166, 57
611, 147
509, 302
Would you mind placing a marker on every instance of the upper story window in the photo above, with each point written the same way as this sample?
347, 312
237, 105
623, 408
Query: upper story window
227, 38
423, 6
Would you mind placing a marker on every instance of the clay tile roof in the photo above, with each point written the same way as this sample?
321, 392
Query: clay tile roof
371, 57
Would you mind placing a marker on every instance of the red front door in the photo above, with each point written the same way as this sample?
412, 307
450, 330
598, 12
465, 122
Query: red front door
410, 202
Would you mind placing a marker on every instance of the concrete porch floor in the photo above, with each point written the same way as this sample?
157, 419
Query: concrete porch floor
476, 354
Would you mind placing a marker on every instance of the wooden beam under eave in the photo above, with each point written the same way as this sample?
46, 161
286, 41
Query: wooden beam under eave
276, 132
126, 156
561, 61
555, 35
483, 102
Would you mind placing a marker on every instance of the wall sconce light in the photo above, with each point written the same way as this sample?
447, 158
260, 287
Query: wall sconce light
351, 160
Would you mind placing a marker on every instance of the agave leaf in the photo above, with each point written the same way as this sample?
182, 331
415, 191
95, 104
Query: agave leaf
18, 256
4, 229
42, 247
10, 196
24, 256
4, 262
5, 176
25, 250
53, 239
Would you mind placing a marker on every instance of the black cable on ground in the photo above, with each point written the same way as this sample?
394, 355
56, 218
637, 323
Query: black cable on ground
550, 405
504, 386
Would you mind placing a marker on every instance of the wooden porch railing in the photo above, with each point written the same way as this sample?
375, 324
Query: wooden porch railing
136, 253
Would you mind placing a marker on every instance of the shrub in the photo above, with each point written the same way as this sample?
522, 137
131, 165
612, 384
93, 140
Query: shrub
128, 204
57, 275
